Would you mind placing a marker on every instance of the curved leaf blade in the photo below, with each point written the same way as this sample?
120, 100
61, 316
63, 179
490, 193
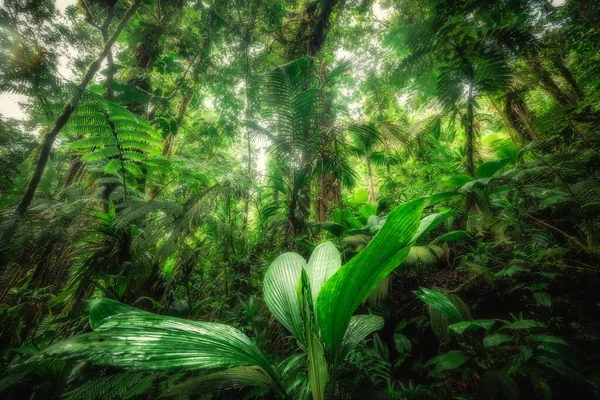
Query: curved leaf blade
232, 378
137, 340
489, 168
324, 261
280, 288
439, 302
360, 327
344, 291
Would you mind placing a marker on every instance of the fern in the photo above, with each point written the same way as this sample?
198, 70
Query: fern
112, 138
122, 386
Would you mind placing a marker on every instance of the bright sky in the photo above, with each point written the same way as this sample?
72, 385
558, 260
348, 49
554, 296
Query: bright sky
10, 103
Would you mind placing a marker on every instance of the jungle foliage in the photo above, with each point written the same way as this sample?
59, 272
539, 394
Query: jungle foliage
311, 199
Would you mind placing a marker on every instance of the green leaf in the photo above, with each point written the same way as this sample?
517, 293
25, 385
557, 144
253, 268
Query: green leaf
461, 327
343, 292
125, 337
232, 378
332, 227
547, 339
474, 184
496, 339
484, 323
436, 198
280, 291
489, 168
324, 261
453, 236
360, 327
458, 180
439, 324
113, 166
450, 360
372, 221
134, 169
439, 302
542, 299
402, 344
428, 223
318, 374
527, 324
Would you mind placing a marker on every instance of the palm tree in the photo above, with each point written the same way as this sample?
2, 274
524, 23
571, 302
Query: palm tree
292, 99
365, 140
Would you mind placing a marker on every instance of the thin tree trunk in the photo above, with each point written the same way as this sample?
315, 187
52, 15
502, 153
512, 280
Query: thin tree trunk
248, 115
505, 121
519, 115
69, 108
547, 81
470, 133
565, 72
329, 191
372, 196
77, 166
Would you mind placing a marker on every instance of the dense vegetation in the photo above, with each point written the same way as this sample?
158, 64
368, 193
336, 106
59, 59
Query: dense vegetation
302, 199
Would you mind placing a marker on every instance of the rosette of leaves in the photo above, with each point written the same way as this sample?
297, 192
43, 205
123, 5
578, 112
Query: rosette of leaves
315, 301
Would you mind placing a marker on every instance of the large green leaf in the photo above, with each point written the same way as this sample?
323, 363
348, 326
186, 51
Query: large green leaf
280, 289
359, 327
125, 337
458, 180
452, 236
439, 302
437, 197
333, 227
344, 291
489, 168
450, 360
423, 255
232, 378
324, 261
496, 339
429, 223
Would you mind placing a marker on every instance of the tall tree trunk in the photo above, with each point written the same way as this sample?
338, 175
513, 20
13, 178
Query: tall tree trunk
247, 116
77, 166
69, 108
519, 115
568, 76
329, 192
547, 81
372, 195
505, 121
470, 133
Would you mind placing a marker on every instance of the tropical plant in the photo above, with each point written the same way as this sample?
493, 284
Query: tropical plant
314, 301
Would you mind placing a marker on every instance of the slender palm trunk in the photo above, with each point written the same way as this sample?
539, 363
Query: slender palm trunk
372, 196
470, 133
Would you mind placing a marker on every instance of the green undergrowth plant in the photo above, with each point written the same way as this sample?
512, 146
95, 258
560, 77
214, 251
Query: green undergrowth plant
503, 353
314, 301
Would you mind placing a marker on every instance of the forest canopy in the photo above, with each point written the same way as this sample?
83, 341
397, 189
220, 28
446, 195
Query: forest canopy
300, 199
